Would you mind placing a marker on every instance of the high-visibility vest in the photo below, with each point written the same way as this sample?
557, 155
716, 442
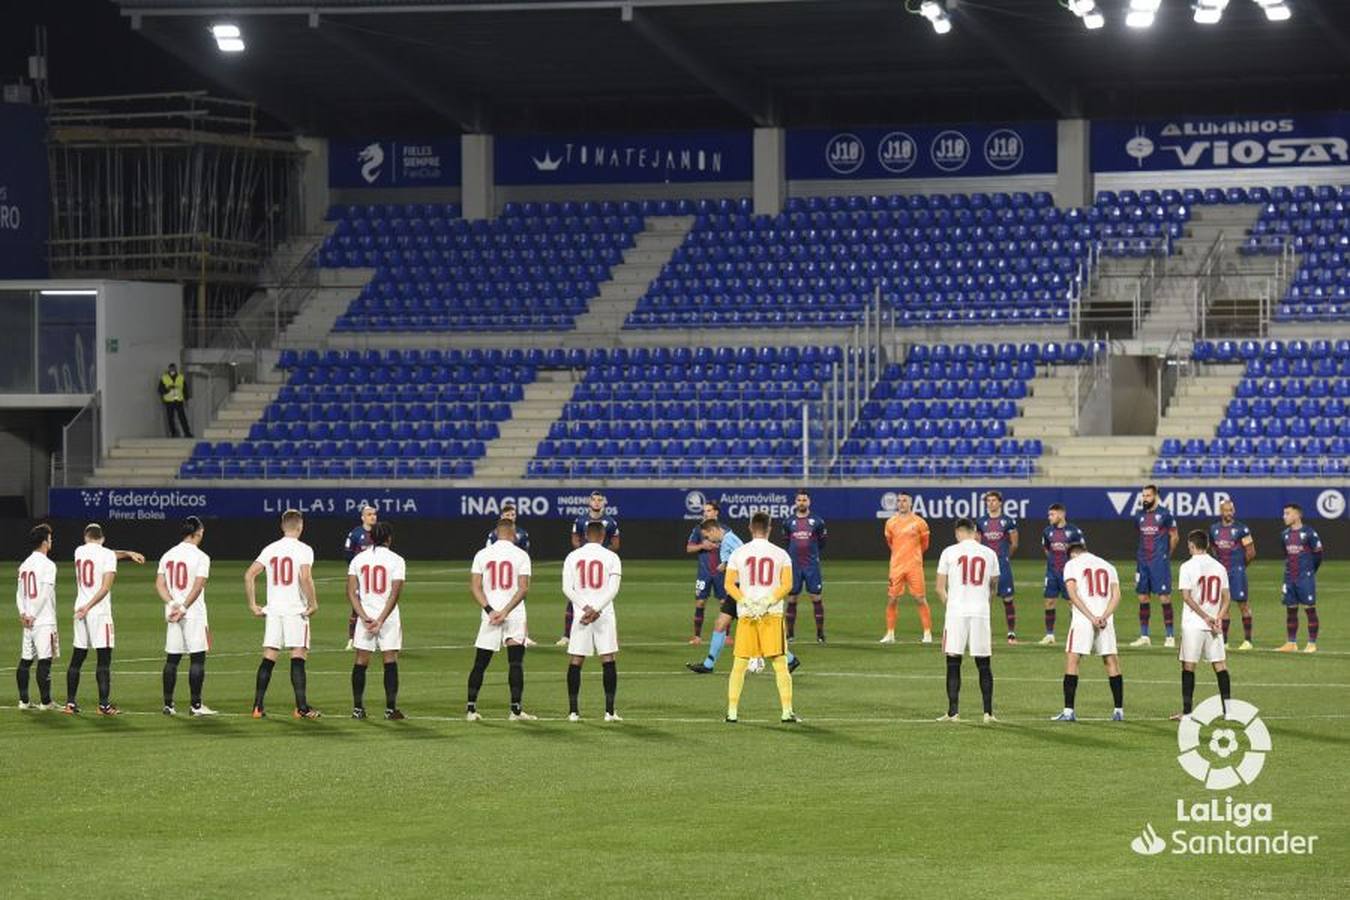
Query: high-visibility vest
173, 387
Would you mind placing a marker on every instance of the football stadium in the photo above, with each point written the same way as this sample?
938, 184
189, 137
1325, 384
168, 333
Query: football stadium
760, 411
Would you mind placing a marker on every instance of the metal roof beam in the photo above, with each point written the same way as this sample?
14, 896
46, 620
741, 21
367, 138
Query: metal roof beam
747, 95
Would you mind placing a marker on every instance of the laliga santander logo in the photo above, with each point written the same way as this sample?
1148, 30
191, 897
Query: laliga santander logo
1149, 842
1222, 768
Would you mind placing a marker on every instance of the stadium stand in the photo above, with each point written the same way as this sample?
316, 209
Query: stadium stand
936, 258
682, 412
1313, 223
396, 414
1287, 419
949, 412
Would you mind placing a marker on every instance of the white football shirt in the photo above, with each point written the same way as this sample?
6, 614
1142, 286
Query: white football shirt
1093, 577
36, 595
1206, 578
969, 566
92, 562
590, 577
281, 561
759, 567
181, 566
376, 569
501, 566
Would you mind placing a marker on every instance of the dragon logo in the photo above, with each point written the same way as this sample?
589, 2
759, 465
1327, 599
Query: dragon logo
371, 158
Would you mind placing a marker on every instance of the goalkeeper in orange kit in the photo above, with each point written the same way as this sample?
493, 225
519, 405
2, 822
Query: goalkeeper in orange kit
907, 537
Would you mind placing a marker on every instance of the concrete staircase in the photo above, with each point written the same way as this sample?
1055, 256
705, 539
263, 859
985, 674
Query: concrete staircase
1070, 458
1048, 411
531, 417
337, 288
142, 462
1199, 403
641, 264
240, 410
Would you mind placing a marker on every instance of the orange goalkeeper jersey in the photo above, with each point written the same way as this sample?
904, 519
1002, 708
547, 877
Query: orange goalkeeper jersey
907, 536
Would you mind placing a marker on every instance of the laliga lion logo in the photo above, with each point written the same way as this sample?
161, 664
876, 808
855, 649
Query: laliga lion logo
1139, 147
371, 158
1331, 504
1221, 773
693, 502
1149, 842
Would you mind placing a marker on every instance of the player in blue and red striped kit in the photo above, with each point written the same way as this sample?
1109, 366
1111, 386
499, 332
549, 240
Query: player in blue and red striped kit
803, 535
1153, 563
1231, 543
999, 533
1302, 559
1055, 540
358, 539
709, 580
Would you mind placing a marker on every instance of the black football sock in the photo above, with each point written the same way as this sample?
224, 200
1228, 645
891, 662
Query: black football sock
1070, 689
77, 658
1225, 688
1187, 691
298, 682
480, 664
986, 683
515, 675
170, 678
818, 608
44, 680
698, 620
1246, 626
196, 676
103, 675
609, 673
791, 618
1010, 614
573, 687
953, 684
1291, 623
1118, 690
391, 685
21, 675
264, 676
358, 686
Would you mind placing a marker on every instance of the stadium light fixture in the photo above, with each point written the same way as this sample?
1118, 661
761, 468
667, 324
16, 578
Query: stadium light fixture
1088, 12
936, 14
1142, 13
229, 39
1275, 10
1209, 12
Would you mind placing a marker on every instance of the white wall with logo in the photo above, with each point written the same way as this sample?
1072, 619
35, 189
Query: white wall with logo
1289, 176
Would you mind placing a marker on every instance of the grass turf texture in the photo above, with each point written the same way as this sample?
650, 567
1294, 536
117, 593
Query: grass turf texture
868, 797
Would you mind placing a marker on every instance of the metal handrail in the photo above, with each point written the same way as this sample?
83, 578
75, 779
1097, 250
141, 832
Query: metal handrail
73, 445
1207, 282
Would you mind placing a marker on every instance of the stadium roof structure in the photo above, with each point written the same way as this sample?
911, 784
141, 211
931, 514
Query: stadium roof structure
364, 66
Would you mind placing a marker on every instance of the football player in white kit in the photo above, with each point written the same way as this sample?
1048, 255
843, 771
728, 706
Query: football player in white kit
1203, 581
291, 600
590, 581
374, 581
36, 600
967, 573
180, 581
1093, 586
499, 579
95, 571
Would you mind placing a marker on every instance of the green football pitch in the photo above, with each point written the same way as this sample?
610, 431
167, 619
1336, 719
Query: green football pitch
869, 796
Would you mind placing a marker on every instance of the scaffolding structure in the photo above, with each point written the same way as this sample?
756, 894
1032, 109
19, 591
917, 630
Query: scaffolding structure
170, 187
